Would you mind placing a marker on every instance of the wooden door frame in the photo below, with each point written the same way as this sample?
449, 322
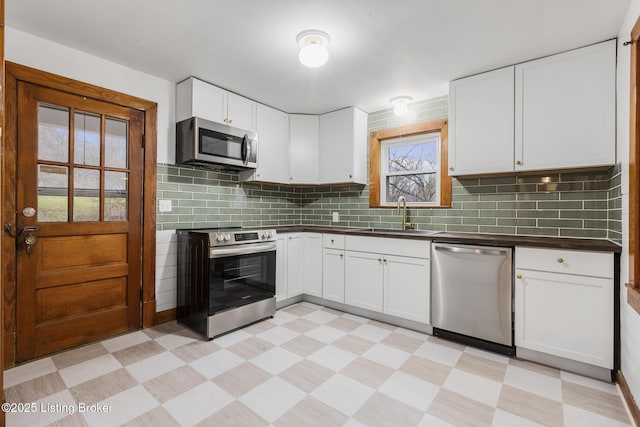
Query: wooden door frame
15, 73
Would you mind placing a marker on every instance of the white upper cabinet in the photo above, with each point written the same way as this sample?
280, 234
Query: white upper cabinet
557, 112
241, 112
481, 114
273, 147
195, 98
343, 147
303, 148
565, 109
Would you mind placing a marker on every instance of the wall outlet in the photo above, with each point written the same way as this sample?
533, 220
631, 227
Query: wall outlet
164, 206
335, 216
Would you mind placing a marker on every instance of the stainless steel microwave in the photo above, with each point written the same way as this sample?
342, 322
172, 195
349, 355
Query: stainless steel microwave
201, 142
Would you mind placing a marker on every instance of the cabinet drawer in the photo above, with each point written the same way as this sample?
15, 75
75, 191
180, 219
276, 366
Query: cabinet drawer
382, 245
334, 241
596, 264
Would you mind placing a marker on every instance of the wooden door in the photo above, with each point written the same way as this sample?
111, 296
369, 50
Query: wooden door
80, 169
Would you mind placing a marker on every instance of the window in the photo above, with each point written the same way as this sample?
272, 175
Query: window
406, 161
409, 169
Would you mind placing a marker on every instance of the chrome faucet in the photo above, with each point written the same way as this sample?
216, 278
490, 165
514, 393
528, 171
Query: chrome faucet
405, 224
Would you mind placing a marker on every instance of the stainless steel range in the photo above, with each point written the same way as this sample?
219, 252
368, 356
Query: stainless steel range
226, 278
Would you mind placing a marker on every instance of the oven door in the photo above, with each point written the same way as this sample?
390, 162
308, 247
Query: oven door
241, 277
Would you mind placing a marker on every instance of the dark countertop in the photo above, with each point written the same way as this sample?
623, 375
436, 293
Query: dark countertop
597, 245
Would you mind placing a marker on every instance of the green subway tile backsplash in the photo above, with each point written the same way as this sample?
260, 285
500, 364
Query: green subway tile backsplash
582, 204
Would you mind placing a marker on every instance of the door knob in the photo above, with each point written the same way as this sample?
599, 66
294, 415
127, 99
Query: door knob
29, 241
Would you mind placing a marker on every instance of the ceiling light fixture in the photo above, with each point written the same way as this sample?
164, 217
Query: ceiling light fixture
400, 105
313, 48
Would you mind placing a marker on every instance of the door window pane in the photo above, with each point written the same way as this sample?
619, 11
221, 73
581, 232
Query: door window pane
115, 143
86, 139
86, 194
115, 196
53, 133
415, 188
53, 199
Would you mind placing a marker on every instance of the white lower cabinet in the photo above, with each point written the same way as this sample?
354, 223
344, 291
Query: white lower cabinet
406, 290
312, 264
564, 304
333, 274
298, 265
295, 266
397, 284
364, 279
281, 267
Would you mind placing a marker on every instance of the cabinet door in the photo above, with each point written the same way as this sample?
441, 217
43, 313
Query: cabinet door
312, 264
303, 148
565, 315
241, 112
336, 146
481, 114
363, 280
281, 268
565, 109
406, 288
200, 99
273, 146
333, 275
295, 264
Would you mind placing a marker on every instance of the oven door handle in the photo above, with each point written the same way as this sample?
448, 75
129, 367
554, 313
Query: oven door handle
255, 248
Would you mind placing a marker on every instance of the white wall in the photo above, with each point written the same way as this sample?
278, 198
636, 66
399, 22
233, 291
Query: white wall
630, 320
27, 49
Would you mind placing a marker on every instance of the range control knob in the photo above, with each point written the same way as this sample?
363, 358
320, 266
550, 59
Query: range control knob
219, 237
227, 237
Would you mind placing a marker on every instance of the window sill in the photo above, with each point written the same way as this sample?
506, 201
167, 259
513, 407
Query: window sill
633, 297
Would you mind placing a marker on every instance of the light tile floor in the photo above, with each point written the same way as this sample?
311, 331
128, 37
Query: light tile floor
308, 366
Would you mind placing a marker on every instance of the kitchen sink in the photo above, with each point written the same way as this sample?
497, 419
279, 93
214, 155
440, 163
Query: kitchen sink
397, 231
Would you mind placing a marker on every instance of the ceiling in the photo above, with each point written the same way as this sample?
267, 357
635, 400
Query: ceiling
379, 48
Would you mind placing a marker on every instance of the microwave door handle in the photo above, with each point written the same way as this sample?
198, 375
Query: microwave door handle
244, 149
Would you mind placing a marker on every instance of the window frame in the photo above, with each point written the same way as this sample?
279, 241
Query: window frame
387, 144
633, 283
375, 152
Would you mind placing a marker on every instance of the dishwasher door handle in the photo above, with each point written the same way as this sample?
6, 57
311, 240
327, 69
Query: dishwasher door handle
475, 251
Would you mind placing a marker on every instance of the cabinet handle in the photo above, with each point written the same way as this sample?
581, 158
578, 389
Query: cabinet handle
385, 261
560, 260
451, 168
350, 176
230, 121
226, 120
519, 276
332, 241
341, 256
518, 162
290, 238
379, 259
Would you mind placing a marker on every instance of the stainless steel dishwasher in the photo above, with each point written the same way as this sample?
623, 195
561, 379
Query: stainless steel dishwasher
471, 295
